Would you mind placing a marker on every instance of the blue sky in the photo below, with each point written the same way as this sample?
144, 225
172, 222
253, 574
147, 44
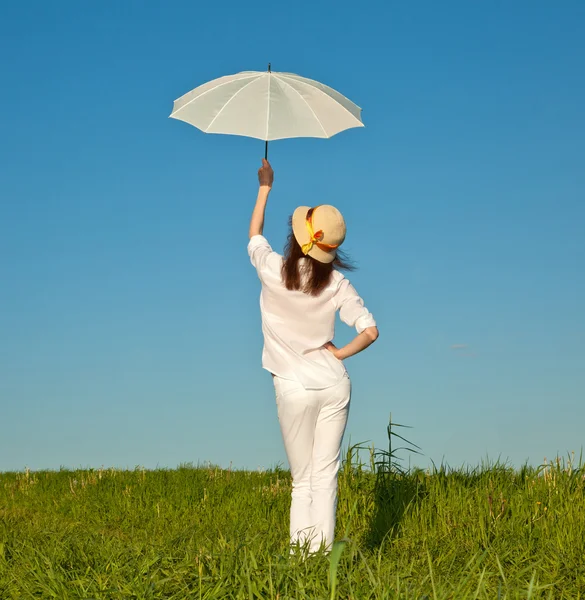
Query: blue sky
129, 321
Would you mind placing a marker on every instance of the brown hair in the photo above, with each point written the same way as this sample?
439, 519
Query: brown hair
319, 274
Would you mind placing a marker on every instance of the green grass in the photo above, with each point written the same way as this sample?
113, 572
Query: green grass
203, 532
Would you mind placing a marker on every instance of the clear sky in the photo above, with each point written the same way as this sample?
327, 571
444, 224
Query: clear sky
129, 320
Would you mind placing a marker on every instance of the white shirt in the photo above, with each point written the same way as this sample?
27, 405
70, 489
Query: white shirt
296, 325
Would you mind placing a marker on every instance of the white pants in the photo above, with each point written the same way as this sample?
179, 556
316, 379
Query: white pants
312, 424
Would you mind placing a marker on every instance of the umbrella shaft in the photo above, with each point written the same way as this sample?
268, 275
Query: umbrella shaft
266, 147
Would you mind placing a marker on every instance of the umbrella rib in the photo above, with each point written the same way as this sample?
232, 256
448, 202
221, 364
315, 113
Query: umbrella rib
221, 109
210, 90
303, 99
314, 87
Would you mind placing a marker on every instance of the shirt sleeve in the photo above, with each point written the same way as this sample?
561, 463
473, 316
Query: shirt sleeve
259, 251
351, 307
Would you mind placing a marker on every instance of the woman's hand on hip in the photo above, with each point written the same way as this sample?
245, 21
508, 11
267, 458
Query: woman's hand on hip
265, 174
361, 341
333, 349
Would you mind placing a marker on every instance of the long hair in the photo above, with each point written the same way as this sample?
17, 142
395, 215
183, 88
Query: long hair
318, 274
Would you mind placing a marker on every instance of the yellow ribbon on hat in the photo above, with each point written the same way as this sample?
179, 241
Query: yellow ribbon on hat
315, 237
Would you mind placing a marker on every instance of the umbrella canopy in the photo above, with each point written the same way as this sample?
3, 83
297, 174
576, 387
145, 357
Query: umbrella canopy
268, 106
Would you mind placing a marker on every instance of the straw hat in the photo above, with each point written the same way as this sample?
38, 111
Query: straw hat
319, 231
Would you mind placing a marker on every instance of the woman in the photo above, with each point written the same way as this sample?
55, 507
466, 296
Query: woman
301, 292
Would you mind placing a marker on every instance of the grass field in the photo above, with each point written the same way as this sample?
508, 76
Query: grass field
203, 532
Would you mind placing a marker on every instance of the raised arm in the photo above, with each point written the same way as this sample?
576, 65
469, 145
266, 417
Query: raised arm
265, 179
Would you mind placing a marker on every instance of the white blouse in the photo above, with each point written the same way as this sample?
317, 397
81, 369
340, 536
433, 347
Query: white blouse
296, 325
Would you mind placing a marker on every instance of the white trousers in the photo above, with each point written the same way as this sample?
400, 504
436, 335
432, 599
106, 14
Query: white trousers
312, 424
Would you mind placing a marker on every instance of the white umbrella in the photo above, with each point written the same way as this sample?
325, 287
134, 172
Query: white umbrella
268, 106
